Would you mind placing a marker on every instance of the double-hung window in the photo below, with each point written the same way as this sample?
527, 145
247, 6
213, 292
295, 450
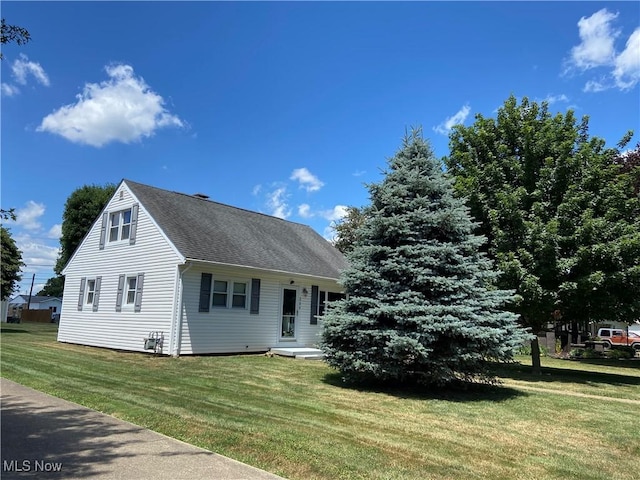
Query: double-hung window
89, 295
120, 225
229, 294
220, 293
130, 296
91, 291
239, 297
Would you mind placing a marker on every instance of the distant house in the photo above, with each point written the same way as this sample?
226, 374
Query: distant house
37, 302
213, 278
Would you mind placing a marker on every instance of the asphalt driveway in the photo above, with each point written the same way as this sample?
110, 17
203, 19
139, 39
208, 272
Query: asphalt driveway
46, 437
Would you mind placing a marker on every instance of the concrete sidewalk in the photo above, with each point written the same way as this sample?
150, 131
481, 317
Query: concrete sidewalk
42, 434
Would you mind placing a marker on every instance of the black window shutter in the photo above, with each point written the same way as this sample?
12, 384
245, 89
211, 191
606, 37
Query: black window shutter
96, 294
138, 301
205, 292
103, 229
255, 296
120, 293
313, 320
83, 282
134, 224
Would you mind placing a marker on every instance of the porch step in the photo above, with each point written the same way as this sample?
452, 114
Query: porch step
318, 356
300, 353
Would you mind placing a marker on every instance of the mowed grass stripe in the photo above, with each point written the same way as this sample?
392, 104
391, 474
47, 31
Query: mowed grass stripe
296, 418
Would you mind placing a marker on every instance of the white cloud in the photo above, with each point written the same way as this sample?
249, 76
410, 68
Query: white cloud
55, 231
22, 68
461, 115
121, 109
359, 173
304, 210
9, 90
597, 41
597, 49
329, 233
337, 213
627, 64
551, 99
36, 255
28, 216
256, 190
307, 180
596, 86
277, 203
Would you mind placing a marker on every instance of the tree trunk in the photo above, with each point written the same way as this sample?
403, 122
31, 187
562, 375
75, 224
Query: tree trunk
535, 356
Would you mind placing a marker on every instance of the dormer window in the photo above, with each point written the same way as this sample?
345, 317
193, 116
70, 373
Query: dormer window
120, 225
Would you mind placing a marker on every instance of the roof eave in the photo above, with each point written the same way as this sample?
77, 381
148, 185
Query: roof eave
250, 267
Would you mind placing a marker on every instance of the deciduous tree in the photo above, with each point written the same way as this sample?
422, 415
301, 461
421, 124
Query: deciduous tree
556, 226
347, 229
11, 263
54, 287
13, 33
80, 211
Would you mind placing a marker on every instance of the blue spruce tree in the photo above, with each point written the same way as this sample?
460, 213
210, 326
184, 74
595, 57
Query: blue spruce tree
421, 305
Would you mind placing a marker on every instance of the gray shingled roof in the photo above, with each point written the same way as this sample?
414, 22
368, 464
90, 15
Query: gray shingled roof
204, 230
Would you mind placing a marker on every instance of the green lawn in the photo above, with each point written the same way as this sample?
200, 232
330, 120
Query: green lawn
296, 419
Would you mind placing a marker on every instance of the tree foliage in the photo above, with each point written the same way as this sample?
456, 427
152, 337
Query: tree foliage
80, 211
11, 264
53, 288
421, 306
13, 33
347, 229
558, 211
599, 240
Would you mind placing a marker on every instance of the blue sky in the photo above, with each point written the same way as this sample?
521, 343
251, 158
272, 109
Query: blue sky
283, 108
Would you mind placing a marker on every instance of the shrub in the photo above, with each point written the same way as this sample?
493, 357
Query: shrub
621, 353
576, 353
586, 353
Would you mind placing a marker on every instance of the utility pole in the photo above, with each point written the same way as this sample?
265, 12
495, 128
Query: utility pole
33, 279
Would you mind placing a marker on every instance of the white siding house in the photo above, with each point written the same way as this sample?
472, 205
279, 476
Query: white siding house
35, 302
212, 278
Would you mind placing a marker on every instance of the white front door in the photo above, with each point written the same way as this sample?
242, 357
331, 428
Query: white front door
289, 313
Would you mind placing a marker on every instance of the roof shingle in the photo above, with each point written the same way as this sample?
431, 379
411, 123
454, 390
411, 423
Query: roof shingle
213, 232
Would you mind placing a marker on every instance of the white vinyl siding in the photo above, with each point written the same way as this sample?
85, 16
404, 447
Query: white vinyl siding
152, 255
250, 322
227, 330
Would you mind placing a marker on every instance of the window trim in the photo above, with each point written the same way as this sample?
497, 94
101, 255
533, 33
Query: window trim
120, 226
129, 291
89, 291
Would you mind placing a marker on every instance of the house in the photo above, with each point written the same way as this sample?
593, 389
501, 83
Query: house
36, 302
210, 277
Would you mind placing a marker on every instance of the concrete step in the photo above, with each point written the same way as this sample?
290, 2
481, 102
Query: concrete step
295, 351
310, 357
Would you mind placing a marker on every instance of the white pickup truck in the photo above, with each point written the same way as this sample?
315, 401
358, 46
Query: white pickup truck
618, 337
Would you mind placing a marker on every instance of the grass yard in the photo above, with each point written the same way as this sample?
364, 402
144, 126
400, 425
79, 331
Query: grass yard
579, 420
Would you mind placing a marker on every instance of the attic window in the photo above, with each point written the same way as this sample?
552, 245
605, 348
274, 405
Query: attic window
120, 225
201, 195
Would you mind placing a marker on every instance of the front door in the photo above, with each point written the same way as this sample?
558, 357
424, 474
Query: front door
289, 311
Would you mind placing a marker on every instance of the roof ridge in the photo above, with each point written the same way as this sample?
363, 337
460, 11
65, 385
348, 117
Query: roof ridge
216, 202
